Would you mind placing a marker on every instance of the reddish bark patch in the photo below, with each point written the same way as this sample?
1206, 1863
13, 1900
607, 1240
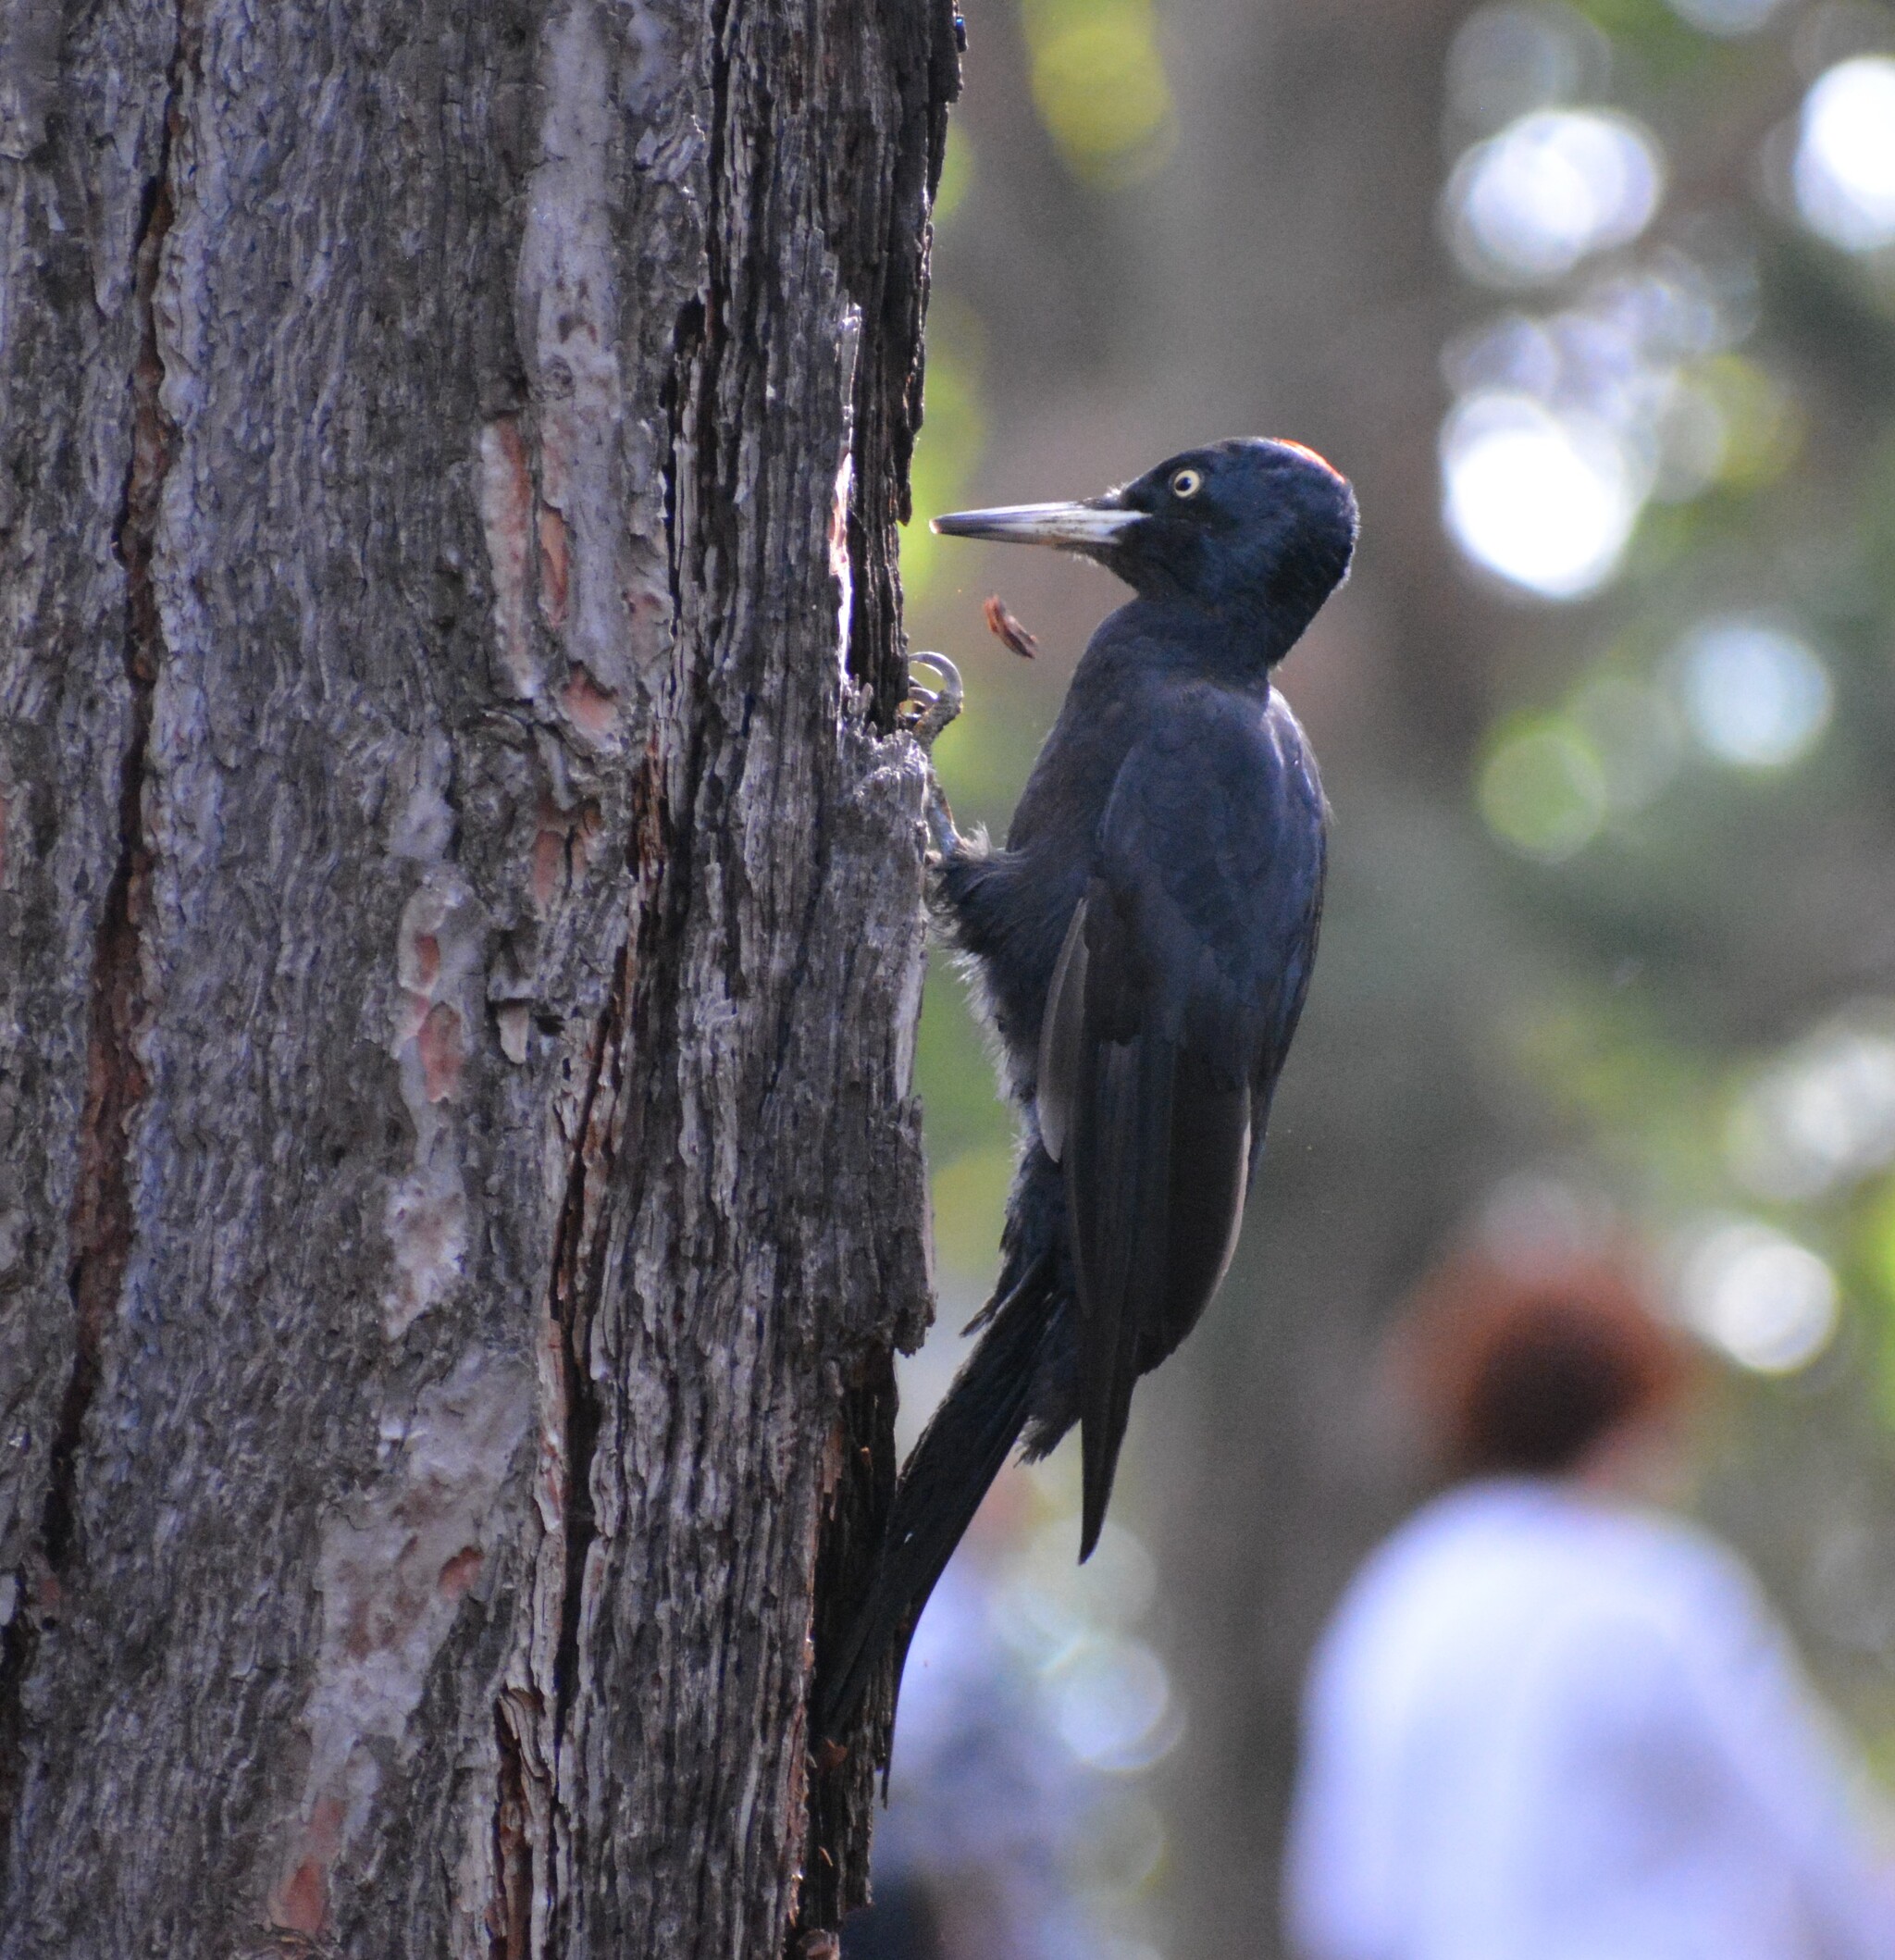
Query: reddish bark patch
300, 1904
443, 1051
506, 513
549, 862
554, 567
413, 1014
564, 840
457, 1576
588, 706
645, 849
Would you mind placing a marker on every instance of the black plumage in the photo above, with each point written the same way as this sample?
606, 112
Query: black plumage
1143, 944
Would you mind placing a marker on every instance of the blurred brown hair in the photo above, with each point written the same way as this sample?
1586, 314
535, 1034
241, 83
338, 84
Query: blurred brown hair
1526, 1370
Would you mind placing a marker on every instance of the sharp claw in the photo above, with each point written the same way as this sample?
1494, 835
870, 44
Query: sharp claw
927, 710
945, 672
924, 713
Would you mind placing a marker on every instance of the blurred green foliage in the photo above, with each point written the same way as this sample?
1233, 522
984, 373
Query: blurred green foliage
1100, 86
1542, 785
949, 446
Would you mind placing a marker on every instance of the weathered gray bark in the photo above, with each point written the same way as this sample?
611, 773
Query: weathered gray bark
459, 947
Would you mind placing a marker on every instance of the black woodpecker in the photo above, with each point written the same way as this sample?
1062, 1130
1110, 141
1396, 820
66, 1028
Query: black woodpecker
1142, 945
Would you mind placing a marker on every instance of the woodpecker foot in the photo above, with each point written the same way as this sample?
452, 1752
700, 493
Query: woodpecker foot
924, 713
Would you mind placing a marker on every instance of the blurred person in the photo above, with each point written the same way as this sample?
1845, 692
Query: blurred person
1550, 1718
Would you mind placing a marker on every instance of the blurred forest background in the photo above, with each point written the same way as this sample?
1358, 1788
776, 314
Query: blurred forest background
1595, 303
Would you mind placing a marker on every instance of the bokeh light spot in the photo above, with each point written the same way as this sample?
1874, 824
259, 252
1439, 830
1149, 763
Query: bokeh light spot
1822, 1116
1053, 1602
1099, 84
1726, 18
1755, 694
1768, 1302
1844, 172
1110, 1698
1522, 55
1760, 428
1546, 501
1542, 791
1634, 732
1530, 204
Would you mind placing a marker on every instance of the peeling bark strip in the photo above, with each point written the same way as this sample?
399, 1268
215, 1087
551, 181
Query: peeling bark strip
459, 949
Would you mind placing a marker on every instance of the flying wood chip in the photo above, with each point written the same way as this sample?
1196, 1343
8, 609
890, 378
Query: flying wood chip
1007, 630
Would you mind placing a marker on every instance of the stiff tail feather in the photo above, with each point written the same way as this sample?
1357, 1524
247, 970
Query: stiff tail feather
958, 1456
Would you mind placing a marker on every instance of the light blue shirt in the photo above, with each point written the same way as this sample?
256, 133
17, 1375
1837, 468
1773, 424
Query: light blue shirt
1543, 1726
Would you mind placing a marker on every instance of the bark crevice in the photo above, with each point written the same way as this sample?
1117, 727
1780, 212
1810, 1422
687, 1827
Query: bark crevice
100, 1224
115, 1081
687, 348
509, 1920
574, 1289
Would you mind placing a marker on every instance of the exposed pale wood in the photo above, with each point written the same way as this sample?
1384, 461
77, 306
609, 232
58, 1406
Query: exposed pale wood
460, 946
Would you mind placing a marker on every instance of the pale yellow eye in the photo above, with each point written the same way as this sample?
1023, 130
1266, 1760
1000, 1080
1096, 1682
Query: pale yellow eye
1188, 483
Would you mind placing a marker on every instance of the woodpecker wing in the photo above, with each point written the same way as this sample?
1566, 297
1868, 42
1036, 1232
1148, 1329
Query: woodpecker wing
1171, 1009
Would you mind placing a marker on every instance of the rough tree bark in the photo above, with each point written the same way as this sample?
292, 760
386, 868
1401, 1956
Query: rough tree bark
459, 952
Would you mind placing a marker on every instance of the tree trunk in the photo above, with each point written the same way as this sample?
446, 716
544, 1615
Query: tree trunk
459, 953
